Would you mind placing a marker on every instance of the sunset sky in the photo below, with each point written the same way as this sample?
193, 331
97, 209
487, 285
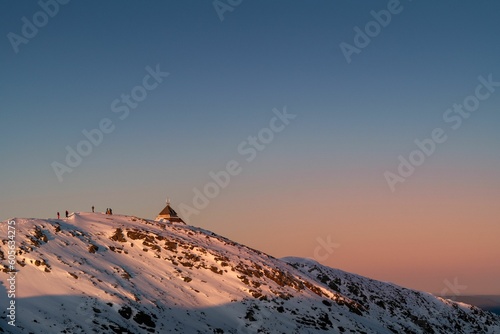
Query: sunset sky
314, 178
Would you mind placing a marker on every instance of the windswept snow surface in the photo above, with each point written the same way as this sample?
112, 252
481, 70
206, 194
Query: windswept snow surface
95, 273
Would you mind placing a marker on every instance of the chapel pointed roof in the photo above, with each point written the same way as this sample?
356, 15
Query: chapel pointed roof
169, 214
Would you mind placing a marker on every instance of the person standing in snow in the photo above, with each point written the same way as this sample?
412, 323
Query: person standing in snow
92, 208
67, 213
58, 215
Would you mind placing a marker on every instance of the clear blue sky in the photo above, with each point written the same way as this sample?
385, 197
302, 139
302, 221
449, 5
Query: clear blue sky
225, 78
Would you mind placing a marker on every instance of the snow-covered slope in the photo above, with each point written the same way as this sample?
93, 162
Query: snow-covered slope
95, 273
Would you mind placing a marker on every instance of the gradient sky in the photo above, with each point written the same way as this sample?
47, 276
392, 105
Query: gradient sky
321, 178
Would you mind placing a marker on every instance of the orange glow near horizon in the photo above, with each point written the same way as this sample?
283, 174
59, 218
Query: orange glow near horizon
423, 236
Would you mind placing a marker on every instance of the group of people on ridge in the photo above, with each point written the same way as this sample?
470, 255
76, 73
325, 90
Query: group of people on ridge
59, 216
108, 212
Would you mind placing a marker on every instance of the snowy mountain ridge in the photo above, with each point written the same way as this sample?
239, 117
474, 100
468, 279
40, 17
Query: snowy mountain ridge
96, 273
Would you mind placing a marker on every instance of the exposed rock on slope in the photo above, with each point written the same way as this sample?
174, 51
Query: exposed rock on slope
121, 274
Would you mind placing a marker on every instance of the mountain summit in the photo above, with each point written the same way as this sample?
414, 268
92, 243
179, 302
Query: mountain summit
96, 273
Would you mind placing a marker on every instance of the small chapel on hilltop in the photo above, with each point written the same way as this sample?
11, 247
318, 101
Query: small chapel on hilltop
169, 214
